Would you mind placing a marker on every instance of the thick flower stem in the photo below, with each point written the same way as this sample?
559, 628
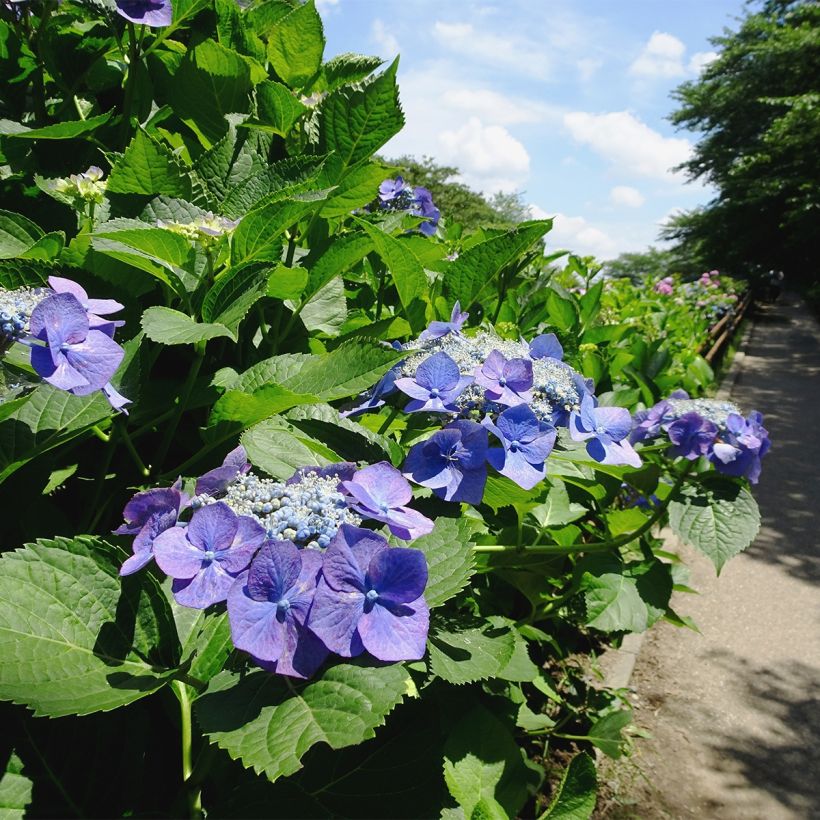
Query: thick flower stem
194, 791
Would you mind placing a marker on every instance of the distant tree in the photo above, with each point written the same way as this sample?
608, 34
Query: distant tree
511, 207
757, 108
655, 262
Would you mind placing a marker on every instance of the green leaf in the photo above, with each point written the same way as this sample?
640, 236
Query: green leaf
257, 236
48, 418
277, 109
269, 723
345, 251
562, 312
58, 131
484, 768
234, 293
557, 510
205, 638
467, 277
408, 275
326, 311
286, 283
46, 248
465, 654
356, 190
149, 167
719, 517
170, 327
296, 44
347, 68
160, 244
273, 446
247, 409
15, 790
17, 234
577, 793
500, 491
605, 733
450, 560
356, 122
74, 638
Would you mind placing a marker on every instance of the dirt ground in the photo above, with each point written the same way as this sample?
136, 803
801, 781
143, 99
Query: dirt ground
734, 712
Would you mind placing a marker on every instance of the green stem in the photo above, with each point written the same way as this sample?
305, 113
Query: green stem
194, 792
129, 445
389, 420
130, 82
104, 437
182, 404
380, 295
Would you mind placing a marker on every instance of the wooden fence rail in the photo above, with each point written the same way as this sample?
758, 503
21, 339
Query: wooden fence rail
723, 331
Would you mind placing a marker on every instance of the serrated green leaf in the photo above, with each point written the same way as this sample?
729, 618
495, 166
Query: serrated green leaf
342, 254
484, 768
17, 234
158, 243
277, 109
58, 131
577, 793
355, 190
15, 790
46, 248
557, 510
74, 638
269, 723
273, 446
234, 293
286, 283
500, 491
296, 44
356, 122
605, 733
474, 271
719, 517
562, 312
170, 327
450, 559
246, 409
326, 311
347, 68
149, 167
461, 654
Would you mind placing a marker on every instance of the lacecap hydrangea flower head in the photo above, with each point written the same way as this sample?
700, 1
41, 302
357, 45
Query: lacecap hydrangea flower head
300, 585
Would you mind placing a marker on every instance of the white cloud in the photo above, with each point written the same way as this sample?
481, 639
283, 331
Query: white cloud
384, 39
626, 196
628, 143
578, 236
701, 59
588, 68
490, 158
662, 56
513, 53
489, 105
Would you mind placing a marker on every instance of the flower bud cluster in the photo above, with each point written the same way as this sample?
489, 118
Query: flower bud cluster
88, 186
308, 512
205, 229
15, 310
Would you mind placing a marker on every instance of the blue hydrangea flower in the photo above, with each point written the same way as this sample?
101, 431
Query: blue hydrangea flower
451, 462
435, 330
739, 450
382, 493
691, 435
95, 308
392, 189
370, 597
605, 430
153, 13
546, 346
74, 357
423, 205
507, 382
147, 515
205, 557
435, 386
526, 444
647, 424
268, 606
216, 481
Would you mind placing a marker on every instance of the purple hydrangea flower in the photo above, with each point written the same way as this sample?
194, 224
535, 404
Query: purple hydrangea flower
382, 493
435, 330
546, 346
152, 13
435, 386
739, 450
205, 557
370, 597
390, 189
75, 358
647, 424
216, 481
526, 444
269, 604
423, 205
605, 430
147, 515
691, 435
94, 308
451, 462
508, 382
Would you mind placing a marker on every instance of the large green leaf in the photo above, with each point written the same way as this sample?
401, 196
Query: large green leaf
158, 243
450, 560
280, 449
48, 418
149, 167
296, 44
15, 790
170, 327
719, 517
245, 409
347, 68
469, 276
234, 293
277, 109
357, 189
605, 733
326, 311
74, 637
576, 794
485, 769
356, 122
408, 275
17, 234
343, 253
269, 723
58, 131
465, 653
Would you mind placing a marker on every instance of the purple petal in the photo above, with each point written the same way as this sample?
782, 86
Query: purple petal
407, 524
397, 633
136, 562
577, 429
250, 535
53, 367
96, 359
213, 527
302, 654
209, 586
254, 626
518, 469
383, 483
153, 13
518, 373
518, 424
144, 505
616, 421
348, 555
334, 617
58, 320
546, 346
399, 574
176, 555
217, 480
439, 371
618, 453
274, 570
412, 389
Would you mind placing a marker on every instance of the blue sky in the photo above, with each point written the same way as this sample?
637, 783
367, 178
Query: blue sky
565, 100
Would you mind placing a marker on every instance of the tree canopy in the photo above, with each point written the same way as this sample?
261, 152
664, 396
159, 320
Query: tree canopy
757, 108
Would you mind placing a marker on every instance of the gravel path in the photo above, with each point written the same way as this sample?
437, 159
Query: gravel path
734, 712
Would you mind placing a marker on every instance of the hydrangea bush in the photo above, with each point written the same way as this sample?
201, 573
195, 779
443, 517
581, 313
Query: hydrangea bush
310, 496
